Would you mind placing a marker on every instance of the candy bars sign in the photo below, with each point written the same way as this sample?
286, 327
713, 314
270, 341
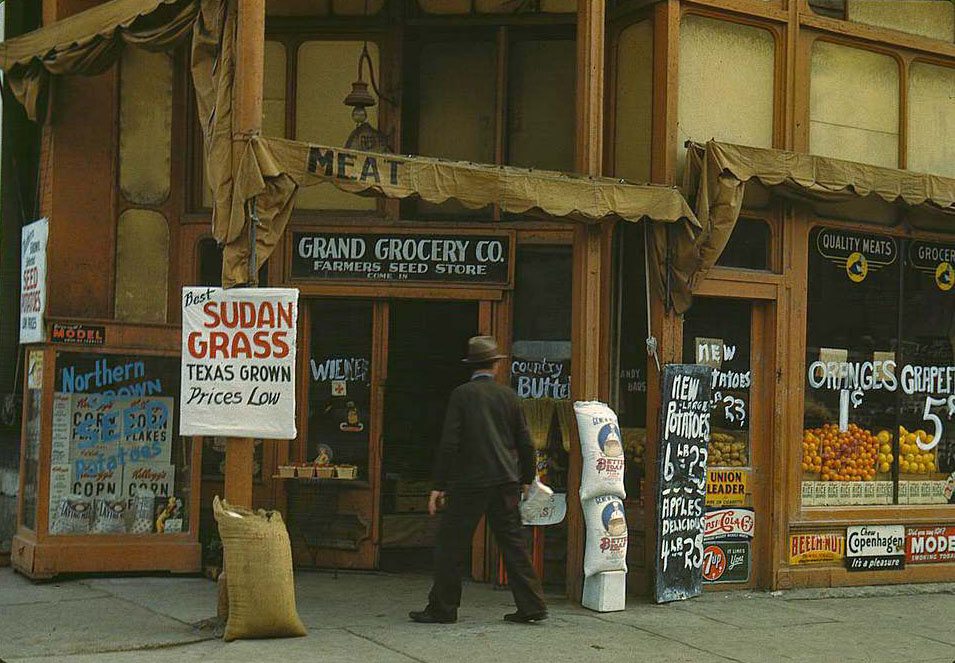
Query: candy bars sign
875, 548
238, 362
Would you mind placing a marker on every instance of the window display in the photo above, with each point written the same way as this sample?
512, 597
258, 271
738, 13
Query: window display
339, 399
876, 408
117, 464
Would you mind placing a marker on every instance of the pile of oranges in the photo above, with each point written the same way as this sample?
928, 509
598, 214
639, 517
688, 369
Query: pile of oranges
853, 455
912, 459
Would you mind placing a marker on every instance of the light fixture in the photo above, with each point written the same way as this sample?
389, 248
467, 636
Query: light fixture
364, 136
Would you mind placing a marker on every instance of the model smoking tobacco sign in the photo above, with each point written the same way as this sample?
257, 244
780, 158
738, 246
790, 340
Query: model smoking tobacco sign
402, 257
238, 362
685, 428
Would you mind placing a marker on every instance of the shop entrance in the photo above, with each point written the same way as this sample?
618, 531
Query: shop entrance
426, 342
731, 335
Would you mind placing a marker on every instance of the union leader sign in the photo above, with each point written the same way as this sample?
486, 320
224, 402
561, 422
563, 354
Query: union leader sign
396, 257
238, 362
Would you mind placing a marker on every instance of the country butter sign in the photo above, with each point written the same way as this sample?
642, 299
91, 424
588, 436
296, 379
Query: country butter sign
726, 487
858, 254
935, 261
816, 548
402, 257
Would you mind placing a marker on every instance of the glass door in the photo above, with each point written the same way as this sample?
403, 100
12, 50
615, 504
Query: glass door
727, 335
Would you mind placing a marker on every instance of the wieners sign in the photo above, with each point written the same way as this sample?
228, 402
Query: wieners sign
238, 362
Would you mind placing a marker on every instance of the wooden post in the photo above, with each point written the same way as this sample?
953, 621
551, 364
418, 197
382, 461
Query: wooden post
588, 297
249, 72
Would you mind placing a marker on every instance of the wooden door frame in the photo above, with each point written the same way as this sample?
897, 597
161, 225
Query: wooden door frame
761, 289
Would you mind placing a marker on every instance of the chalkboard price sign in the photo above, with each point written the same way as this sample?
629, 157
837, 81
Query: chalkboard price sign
684, 430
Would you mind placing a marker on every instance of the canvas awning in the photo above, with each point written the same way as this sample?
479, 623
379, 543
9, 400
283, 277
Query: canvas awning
716, 178
89, 42
273, 169
241, 168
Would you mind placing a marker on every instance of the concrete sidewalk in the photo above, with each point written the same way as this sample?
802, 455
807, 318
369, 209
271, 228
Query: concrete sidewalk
362, 617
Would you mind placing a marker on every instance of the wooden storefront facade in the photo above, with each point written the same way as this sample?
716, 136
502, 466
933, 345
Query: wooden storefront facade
596, 88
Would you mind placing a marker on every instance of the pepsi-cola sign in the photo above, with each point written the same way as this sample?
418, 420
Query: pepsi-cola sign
731, 523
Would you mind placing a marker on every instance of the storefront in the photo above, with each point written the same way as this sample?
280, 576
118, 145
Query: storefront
815, 288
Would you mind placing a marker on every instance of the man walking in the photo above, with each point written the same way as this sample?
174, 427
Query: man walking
485, 456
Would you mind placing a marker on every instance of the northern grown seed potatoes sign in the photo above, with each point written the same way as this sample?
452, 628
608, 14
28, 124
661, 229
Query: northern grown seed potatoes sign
238, 362
402, 257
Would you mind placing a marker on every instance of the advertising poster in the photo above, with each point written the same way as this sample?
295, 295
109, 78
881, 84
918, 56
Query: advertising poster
731, 523
684, 429
726, 561
238, 362
875, 548
816, 548
726, 487
925, 545
33, 281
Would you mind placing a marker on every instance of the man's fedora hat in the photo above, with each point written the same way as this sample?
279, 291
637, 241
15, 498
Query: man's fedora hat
482, 349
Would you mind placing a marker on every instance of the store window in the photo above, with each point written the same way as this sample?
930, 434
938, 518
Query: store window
928, 18
339, 394
854, 105
32, 434
717, 333
880, 373
726, 82
630, 390
633, 127
540, 373
117, 463
748, 246
931, 118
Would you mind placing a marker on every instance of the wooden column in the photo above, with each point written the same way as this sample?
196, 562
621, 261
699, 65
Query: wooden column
588, 296
249, 66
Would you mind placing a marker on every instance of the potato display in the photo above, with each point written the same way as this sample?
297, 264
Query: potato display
726, 451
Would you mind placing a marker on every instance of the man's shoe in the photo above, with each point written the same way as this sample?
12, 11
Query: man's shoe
521, 618
427, 617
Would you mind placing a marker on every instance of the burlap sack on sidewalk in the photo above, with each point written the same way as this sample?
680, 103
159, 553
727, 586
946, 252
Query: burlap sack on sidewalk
258, 563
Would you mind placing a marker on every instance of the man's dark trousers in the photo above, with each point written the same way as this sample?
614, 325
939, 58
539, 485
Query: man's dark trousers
465, 508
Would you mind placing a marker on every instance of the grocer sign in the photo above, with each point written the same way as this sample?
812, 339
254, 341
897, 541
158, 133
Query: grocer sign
875, 547
396, 257
935, 261
930, 544
238, 362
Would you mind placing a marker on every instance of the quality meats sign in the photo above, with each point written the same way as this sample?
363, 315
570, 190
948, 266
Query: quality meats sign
238, 362
402, 257
875, 548
930, 544
735, 524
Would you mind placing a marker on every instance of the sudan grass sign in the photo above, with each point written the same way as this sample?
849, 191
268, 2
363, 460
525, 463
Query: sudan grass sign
238, 362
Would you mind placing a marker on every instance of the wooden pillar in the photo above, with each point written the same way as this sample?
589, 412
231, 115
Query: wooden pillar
249, 66
589, 299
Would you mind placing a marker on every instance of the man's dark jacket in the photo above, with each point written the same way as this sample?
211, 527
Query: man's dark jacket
485, 440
